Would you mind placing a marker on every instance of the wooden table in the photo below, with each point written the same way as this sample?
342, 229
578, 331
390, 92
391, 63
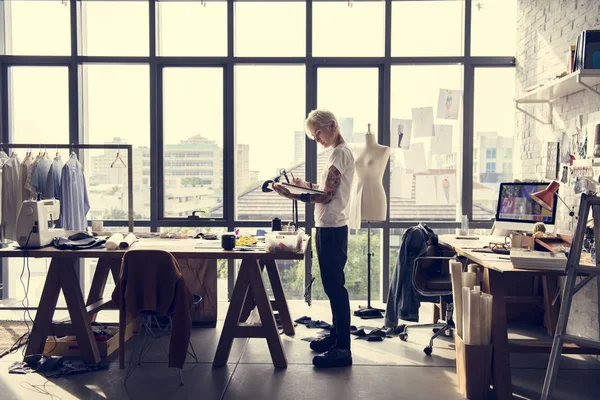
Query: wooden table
249, 291
497, 273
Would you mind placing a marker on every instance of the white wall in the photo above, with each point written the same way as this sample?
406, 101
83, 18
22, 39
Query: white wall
546, 29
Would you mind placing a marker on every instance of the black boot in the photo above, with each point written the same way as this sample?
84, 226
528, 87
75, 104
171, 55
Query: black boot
323, 344
333, 358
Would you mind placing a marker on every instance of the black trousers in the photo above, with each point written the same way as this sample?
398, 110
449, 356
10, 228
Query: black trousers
332, 252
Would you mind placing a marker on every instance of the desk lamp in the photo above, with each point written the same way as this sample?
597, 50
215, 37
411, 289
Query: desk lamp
545, 198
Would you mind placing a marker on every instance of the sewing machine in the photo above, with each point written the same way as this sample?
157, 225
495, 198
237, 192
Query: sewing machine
35, 224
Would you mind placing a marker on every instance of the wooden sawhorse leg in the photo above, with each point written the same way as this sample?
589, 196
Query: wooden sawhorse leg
278, 304
493, 283
96, 294
61, 275
250, 283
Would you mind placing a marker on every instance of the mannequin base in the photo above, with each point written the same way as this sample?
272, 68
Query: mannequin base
368, 312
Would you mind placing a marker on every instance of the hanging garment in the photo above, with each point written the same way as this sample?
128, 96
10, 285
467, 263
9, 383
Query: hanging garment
26, 167
403, 300
11, 196
39, 175
3, 158
53, 189
75, 204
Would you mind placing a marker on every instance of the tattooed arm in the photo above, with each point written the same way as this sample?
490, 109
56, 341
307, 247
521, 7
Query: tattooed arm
334, 178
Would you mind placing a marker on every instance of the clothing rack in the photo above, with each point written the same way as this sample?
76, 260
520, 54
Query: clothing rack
73, 146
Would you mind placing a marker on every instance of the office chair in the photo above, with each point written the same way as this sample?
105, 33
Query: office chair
431, 280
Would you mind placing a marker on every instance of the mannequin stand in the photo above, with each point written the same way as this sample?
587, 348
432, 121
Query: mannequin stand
368, 312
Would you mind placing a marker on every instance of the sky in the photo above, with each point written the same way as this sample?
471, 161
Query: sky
269, 100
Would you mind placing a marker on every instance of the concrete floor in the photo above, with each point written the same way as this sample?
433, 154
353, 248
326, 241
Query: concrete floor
382, 370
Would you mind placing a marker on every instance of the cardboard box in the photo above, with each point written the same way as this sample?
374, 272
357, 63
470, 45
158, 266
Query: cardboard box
67, 347
473, 369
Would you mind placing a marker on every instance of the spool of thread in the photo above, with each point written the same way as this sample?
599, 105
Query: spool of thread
275, 224
597, 141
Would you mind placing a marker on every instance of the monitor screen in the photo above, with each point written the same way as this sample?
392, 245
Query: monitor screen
516, 205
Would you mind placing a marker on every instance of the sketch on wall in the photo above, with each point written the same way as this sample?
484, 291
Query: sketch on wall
401, 131
448, 103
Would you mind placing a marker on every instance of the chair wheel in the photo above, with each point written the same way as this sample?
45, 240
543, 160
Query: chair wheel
428, 350
403, 336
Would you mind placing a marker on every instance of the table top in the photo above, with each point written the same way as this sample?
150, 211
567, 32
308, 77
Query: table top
496, 262
182, 248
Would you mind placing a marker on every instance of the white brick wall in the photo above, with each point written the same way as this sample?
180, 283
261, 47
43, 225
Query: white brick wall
546, 29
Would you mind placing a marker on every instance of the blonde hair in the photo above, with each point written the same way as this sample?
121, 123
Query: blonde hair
321, 118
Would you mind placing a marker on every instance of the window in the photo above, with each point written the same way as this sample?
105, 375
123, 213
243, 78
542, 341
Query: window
426, 141
489, 18
114, 28
270, 29
494, 136
193, 137
39, 99
188, 28
269, 116
427, 28
37, 27
342, 31
116, 109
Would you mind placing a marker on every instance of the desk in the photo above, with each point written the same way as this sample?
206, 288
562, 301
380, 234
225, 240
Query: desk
249, 290
496, 274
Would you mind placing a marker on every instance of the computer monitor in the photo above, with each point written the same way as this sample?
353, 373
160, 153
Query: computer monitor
516, 210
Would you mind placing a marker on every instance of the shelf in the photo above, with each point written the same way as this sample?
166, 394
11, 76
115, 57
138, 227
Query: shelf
567, 85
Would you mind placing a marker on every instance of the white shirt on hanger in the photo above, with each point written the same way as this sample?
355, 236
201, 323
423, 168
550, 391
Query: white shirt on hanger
11, 196
74, 204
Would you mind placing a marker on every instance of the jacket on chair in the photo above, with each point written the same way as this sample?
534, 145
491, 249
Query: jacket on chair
153, 282
403, 301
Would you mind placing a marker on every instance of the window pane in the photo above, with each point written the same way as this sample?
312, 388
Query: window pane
116, 109
339, 30
270, 29
193, 137
269, 119
494, 137
39, 104
38, 28
424, 171
114, 28
352, 95
427, 28
494, 28
191, 29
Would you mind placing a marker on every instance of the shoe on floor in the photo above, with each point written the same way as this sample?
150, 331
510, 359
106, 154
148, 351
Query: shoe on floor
333, 358
323, 344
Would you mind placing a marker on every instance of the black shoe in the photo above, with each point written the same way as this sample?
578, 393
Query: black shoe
333, 358
323, 344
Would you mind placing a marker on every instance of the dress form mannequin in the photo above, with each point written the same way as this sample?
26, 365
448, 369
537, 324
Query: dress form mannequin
371, 202
369, 167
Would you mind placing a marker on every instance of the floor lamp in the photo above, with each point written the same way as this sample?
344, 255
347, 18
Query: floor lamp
368, 312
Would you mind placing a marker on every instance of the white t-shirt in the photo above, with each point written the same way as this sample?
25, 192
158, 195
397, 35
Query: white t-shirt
335, 213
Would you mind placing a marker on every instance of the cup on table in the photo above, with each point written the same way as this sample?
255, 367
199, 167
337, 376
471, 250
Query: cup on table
97, 225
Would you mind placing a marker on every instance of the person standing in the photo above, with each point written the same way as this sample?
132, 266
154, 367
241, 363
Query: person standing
331, 221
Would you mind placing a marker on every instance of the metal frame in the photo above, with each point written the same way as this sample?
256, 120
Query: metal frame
157, 64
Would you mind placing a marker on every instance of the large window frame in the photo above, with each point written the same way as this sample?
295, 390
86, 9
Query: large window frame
157, 64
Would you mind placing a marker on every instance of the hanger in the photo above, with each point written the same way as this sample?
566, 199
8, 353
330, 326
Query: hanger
57, 153
118, 159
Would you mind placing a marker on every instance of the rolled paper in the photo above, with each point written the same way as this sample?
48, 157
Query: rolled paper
465, 306
486, 314
127, 241
475, 317
114, 241
456, 275
469, 279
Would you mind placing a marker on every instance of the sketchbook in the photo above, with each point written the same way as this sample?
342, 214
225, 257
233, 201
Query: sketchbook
295, 189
